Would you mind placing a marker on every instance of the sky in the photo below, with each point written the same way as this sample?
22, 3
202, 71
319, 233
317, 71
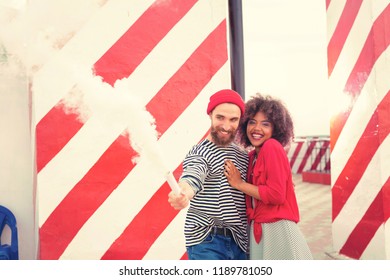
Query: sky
285, 56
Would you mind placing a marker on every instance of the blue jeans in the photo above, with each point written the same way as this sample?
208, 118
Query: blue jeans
216, 247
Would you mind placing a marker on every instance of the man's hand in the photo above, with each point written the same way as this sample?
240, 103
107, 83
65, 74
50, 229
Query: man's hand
181, 201
178, 202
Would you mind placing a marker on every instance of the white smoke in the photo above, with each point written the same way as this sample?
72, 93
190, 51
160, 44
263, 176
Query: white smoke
116, 104
33, 31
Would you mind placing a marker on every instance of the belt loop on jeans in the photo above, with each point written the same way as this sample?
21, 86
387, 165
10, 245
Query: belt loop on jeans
222, 231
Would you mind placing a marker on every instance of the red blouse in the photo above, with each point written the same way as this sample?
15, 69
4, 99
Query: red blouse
271, 173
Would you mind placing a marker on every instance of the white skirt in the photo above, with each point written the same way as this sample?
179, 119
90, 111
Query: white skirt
281, 240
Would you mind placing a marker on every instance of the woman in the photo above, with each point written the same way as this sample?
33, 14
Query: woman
272, 207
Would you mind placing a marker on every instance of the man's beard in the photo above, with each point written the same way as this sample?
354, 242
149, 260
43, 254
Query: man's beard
219, 141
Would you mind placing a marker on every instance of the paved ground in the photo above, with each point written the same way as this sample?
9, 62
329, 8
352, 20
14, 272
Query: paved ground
315, 206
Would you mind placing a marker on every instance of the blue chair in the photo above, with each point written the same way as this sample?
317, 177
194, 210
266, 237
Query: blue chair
8, 251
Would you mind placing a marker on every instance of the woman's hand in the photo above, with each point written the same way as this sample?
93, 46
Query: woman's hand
232, 174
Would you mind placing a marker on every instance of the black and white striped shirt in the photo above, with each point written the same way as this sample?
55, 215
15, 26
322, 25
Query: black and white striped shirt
215, 202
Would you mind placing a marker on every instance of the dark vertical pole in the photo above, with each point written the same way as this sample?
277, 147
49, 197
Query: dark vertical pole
236, 33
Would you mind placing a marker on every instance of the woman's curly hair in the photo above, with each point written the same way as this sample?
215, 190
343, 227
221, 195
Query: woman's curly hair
275, 111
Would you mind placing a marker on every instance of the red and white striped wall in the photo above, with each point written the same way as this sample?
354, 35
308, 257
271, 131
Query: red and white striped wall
309, 154
118, 106
310, 157
359, 69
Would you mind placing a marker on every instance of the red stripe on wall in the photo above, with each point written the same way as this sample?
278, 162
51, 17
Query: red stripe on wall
306, 156
54, 130
384, 118
85, 197
320, 155
145, 228
386, 197
327, 2
337, 123
207, 59
341, 32
363, 153
295, 154
365, 230
384, 130
132, 48
327, 166
377, 42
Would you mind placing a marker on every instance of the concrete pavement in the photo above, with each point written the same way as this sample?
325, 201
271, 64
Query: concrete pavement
315, 206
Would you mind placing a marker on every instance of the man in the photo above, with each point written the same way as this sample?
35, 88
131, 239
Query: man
216, 222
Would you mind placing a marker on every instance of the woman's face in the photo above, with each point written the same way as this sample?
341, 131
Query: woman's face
258, 130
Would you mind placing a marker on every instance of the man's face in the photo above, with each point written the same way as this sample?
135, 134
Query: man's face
224, 123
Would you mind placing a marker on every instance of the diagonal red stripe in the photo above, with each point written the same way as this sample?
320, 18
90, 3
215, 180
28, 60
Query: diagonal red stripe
57, 127
356, 165
337, 123
53, 132
320, 155
306, 156
145, 228
377, 42
327, 166
386, 197
130, 50
70, 205
327, 4
85, 197
184, 257
296, 153
341, 32
207, 59
365, 230
384, 118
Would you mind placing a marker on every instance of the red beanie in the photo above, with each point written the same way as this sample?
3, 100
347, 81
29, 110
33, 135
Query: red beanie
226, 96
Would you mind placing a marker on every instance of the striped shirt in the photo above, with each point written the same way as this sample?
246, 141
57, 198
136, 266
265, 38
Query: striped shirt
215, 202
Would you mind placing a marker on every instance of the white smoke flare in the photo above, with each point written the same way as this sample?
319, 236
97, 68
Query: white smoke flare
32, 32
